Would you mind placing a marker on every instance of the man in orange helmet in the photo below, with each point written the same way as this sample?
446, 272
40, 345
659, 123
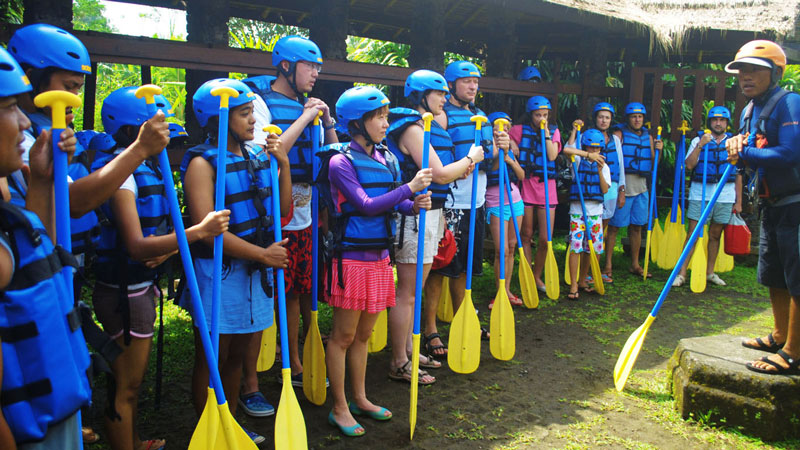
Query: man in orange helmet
769, 141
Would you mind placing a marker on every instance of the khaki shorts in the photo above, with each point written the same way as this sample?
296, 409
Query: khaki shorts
406, 252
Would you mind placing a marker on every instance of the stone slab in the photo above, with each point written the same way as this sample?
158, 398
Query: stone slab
708, 379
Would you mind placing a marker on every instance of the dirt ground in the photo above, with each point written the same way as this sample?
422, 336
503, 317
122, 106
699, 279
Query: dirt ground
557, 392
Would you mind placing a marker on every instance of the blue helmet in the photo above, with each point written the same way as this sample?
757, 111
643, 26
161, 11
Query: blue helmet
206, 105
424, 80
719, 111
593, 138
102, 142
498, 115
357, 101
177, 131
294, 49
121, 107
12, 79
42, 45
461, 69
529, 73
537, 102
635, 108
603, 106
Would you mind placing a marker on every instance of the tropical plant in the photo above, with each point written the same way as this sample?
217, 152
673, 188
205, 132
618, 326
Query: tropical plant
374, 51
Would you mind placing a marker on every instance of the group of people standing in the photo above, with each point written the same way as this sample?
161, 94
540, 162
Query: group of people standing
121, 233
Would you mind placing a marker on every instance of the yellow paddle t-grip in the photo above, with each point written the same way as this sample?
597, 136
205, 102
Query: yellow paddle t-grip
149, 92
427, 118
272, 129
543, 124
658, 133
478, 120
684, 127
58, 101
316, 119
502, 124
224, 93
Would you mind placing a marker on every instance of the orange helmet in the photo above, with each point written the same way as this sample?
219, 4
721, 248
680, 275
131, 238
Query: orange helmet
760, 53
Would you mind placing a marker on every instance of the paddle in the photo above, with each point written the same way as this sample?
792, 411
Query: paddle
502, 333
464, 354
667, 254
290, 427
567, 275
699, 262
314, 368
59, 101
651, 211
444, 311
266, 355
377, 340
594, 263
629, 353
427, 118
530, 295
215, 416
552, 287
724, 261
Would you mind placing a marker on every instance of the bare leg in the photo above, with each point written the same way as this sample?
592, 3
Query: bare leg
401, 315
714, 236
250, 383
526, 231
345, 322
792, 321
511, 248
541, 250
635, 239
128, 369
611, 242
357, 362
293, 329
780, 312
685, 266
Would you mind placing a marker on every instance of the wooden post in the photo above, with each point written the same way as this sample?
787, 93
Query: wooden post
677, 103
54, 12
698, 120
147, 75
206, 23
500, 52
89, 101
427, 34
329, 29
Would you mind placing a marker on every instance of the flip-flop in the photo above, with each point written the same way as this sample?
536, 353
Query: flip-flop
793, 369
772, 347
573, 295
403, 373
430, 362
639, 272
607, 279
89, 436
152, 442
587, 289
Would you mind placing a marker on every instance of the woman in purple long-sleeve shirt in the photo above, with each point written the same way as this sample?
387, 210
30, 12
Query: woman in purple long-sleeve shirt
363, 179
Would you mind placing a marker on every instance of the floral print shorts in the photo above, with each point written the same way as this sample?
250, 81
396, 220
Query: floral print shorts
578, 241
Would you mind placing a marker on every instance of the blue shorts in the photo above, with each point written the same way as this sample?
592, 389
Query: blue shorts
519, 211
633, 213
779, 245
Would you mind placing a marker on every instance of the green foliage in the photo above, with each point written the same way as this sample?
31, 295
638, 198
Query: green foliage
243, 33
375, 51
89, 15
791, 78
11, 11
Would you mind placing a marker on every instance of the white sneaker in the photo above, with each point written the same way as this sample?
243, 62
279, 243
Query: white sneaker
714, 278
679, 280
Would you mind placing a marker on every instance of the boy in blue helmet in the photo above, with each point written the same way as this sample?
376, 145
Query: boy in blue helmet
298, 61
365, 190
41, 402
638, 150
463, 81
768, 141
729, 201
134, 242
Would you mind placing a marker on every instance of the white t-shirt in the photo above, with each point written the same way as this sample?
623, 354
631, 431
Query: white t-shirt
728, 194
462, 192
593, 207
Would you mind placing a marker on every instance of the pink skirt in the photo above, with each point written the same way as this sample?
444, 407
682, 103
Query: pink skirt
532, 190
368, 285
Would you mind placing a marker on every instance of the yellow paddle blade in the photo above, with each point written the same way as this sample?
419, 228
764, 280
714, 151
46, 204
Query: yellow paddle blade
724, 262
597, 275
314, 369
377, 340
205, 433
677, 237
530, 295
464, 346
629, 353
698, 267
412, 414
290, 426
502, 337
233, 436
266, 356
647, 247
661, 258
658, 235
444, 311
551, 283
567, 275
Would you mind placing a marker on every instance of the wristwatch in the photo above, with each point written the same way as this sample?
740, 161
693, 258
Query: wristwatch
330, 125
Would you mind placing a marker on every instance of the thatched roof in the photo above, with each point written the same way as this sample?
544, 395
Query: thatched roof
670, 22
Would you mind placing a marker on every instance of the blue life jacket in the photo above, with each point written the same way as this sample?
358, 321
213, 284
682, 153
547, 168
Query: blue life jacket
285, 111
114, 266
462, 131
776, 182
609, 152
17, 188
717, 160
402, 118
531, 154
493, 176
86, 229
44, 354
636, 151
248, 193
590, 182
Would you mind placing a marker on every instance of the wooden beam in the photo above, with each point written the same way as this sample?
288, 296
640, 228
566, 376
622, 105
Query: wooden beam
677, 105
697, 102
655, 106
89, 100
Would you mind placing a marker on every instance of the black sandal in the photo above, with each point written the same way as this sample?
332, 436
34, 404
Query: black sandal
573, 295
772, 347
793, 369
484, 334
431, 349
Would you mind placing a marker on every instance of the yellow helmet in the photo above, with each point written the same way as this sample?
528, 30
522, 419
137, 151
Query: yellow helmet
760, 53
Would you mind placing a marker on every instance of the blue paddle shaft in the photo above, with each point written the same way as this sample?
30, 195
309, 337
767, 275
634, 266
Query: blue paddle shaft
683, 179
705, 174
511, 202
692, 240
546, 184
426, 142
651, 209
63, 229
471, 242
219, 205
281, 282
676, 187
314, 216
502, 175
